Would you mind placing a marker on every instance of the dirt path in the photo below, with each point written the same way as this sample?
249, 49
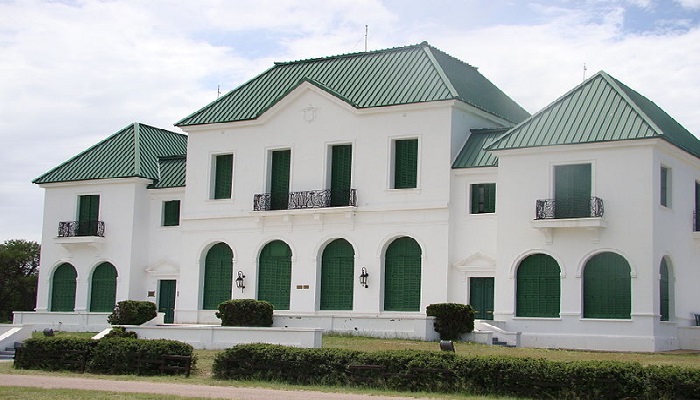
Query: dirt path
220, 392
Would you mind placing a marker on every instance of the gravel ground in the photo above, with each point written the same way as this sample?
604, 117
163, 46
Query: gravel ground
218, 392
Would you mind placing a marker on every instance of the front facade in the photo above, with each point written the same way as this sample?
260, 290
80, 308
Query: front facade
353, 191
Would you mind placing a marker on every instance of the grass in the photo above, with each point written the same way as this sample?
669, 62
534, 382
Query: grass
205, 359
16, 392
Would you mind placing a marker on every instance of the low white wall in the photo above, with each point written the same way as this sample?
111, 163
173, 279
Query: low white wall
689, 337
223, 337
63, 321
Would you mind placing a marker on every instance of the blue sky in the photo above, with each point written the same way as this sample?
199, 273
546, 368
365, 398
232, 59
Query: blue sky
74, 72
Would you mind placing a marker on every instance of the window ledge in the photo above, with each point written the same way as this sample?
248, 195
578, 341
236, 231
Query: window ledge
546, 226
77, 241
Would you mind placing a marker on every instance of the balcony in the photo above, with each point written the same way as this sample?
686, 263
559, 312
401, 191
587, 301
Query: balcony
581, 208
585, 213
307, 199
81, 228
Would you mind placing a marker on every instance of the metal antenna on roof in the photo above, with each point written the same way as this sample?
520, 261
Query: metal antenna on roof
584, 71
218, 91
366, 28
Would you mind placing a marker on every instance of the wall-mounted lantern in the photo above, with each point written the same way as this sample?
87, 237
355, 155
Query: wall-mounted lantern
363, 277
239, 281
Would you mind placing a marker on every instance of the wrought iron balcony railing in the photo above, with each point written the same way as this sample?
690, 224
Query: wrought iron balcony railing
309, 199
81, 228
576, 208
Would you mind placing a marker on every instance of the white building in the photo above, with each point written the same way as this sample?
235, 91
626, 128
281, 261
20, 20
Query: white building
574, 226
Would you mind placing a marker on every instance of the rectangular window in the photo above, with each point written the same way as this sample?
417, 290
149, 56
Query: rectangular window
223, 176
696, 213
341, 174
406, 164
483, 196
572, 191
171, 213
665, 189
279, 179
88, 215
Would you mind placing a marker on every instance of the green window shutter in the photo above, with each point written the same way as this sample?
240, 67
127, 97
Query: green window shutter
223, 176
171, 213
665, 180
63, 288
402, 275
218, 275
341, 170
337, 267
664, 291
607, 287
88, 214
572, 191
103, 290
279, 179
405, 164
483, 198
538, 287
275, 274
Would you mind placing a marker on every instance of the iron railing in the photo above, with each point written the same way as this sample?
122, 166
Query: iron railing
81, 228
581, 208
309, 199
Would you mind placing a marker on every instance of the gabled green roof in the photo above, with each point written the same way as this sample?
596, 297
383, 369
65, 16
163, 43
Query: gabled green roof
474, 154
171, 172
131, 152
404, 75
598, 110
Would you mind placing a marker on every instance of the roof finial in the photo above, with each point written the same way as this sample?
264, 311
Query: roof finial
218, 91
584, 71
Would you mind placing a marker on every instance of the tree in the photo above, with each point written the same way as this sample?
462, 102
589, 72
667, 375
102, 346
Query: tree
19, 269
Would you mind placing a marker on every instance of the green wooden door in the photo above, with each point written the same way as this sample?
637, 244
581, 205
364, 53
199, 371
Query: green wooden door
538, 287
341, 171
166, 299
218, 276
337, 267
481, 297
405, 164
607, 287
88, 215
402, 275
63, 288
275, 274
572, 191
103, 290
664, 291
279, 179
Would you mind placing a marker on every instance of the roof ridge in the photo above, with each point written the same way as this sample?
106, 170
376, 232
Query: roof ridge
353, 54
620, 91
427, 49
137, 149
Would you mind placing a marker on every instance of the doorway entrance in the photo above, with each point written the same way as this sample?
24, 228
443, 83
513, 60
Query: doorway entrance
166, 299
481, 297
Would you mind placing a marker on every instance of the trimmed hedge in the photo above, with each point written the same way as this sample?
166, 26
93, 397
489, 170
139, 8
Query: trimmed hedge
446, 372
245, 312
451, 319
132, 312
120, 332
105, 356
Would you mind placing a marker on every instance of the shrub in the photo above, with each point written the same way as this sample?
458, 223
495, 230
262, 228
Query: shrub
120, 332
121, 355
245, 312
54, 353
451, 319
132, 312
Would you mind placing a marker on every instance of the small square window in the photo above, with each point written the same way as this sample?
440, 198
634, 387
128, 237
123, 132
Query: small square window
483, 198
171, 213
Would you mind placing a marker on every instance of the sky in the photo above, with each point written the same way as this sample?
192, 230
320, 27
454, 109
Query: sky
74, 72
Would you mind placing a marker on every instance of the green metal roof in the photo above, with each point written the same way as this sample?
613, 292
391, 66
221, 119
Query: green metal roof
598, 110
131, 152
404, 75
171, 172
474, 154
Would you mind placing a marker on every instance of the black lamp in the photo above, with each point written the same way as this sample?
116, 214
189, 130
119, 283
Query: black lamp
239, 281
363, 277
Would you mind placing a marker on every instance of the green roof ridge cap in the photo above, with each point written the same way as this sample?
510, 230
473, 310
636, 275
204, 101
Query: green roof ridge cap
427, 49
137, 149
612, 82
350, 55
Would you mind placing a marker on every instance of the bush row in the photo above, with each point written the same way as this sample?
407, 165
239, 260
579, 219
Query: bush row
105, 356
447, 372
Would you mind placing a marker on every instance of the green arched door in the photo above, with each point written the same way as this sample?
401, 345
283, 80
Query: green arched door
63, 288
275, 274
538, 291
103, 290
606, 287
402, 275
337, 267
218, 275
664, 291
